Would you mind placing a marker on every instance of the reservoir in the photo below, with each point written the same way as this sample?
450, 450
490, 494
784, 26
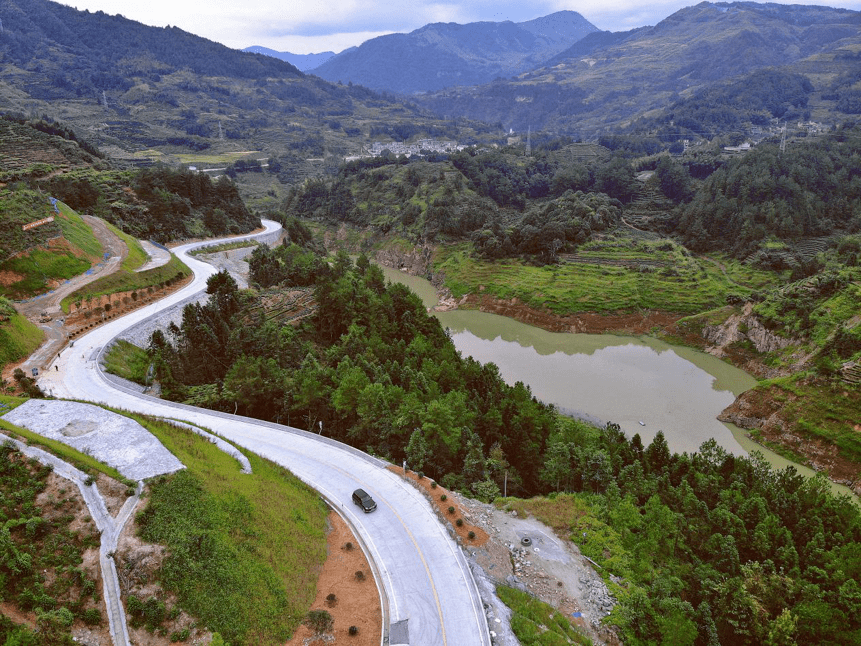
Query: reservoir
606, 378
642, 384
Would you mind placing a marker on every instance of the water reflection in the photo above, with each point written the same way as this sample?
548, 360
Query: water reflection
643, 384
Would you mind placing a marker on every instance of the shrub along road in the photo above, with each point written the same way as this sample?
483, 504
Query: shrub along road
431, 596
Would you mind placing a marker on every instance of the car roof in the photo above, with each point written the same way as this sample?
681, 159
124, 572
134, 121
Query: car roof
361, 493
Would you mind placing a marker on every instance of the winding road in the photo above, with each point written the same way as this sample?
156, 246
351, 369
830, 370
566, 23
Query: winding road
430, 595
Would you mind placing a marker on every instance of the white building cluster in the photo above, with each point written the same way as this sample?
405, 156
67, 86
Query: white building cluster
415, 148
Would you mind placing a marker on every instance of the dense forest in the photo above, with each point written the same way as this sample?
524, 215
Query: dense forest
537, 206
372, 366
758, 99
157, 203
711, 548
706, 549
812, 189
508, 203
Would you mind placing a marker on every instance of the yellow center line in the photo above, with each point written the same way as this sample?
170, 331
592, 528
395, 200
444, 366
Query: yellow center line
427, 569
421, 556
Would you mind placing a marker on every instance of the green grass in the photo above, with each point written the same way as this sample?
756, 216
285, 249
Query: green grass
214, 159
813, 307
76, 231
227, 246
245, 549
123, 281
37, 268
137, 256
679, 284
537, 623
819, 408
747, 276
18, 339
128, 361
561, 511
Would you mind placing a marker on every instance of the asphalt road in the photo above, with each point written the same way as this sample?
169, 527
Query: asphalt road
432, 597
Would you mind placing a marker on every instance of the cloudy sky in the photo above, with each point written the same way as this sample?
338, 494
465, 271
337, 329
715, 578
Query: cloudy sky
306, 26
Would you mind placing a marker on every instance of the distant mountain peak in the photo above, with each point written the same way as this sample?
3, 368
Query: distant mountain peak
440, 55
303, 62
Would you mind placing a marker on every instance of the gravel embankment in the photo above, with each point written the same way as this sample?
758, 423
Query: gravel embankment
548, 567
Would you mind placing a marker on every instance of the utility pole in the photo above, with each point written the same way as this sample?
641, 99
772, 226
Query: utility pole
783, 138
529, 142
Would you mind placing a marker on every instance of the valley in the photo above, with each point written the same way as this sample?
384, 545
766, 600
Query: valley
687, 193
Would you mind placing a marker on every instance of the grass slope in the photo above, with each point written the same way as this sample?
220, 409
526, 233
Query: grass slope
124, 280
18, 339
78, 233
245, 549
128, 361
536, 623
35, 264
815, 408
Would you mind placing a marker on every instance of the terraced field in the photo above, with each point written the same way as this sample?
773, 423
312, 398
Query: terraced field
286, 307
28, 152
619, 274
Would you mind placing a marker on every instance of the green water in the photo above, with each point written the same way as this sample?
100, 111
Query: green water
641, 383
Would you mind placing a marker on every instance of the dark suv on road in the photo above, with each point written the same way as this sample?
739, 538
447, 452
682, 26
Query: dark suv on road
361, 498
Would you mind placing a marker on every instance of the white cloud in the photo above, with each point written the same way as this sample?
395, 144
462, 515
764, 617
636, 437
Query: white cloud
302, 26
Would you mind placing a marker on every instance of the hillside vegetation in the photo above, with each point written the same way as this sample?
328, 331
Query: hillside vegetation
811, 190
244, 548
37, 147
695, 547
42, 562
584, 93
18, 337
65, 248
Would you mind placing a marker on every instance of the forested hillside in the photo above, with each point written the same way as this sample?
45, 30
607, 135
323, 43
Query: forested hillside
95, 41
158, 203
813, 189
761, 99
702, 549
506, 202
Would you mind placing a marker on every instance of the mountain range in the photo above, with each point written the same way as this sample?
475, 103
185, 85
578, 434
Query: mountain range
303, 62
441, 55
606, 80
143, 93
